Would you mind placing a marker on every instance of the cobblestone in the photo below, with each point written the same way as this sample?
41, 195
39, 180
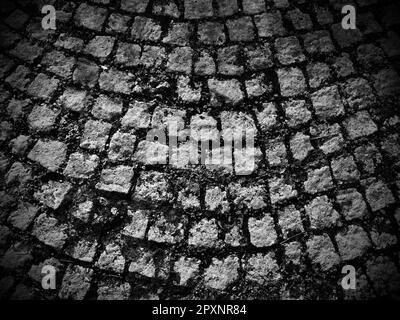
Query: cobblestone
91, 184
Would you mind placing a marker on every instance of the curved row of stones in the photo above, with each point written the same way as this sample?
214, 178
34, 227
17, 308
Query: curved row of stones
82, 191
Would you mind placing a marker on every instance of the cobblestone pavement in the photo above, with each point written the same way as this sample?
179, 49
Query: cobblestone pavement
80, 192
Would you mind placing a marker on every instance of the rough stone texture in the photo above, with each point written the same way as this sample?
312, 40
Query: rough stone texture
50, 231
322, 252
262, 269
50, 154
262, 232
111, 258
91, 183
95, 135
352, 243
318, 180
222, 273
204, 233
53, 193
322, 214
76, 283
116, 179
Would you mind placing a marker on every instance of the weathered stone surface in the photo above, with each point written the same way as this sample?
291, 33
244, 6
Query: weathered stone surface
114, 291
53, 193
186, 269
95, 135
227, 91
23, 216
222, 273
204, 234
49, 231
262, 269
111, 258
167, 229
322, 252
138, 223
352, 243
76, 283
81, 166
318, 180
322, 214
262, 232
116, 179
